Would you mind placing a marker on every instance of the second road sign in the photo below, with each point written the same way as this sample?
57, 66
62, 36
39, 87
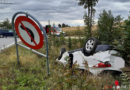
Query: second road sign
29, 32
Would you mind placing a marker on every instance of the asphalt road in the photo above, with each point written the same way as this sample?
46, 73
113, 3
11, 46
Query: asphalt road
74, 37
6, 42
9, 41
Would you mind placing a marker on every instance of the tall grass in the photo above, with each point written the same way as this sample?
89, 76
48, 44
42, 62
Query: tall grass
31, 74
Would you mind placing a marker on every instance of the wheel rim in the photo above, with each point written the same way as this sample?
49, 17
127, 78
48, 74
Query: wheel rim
89, 45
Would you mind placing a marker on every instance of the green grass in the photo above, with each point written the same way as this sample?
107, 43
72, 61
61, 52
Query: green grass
32, 74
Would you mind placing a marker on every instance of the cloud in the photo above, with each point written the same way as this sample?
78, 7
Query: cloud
123, 1
61, 11
116, 6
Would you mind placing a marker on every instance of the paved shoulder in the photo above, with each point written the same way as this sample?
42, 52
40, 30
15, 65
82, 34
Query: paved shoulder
6, 42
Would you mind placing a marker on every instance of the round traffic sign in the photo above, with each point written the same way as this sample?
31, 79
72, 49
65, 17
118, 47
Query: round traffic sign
29, 32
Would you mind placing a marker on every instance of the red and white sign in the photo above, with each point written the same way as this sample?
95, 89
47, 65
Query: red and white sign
29, 32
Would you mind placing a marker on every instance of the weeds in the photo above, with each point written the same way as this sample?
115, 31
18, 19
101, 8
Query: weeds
31, 75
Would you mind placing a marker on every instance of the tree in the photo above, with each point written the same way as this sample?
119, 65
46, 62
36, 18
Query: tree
126, 38
65, 25
88, 17
6, 24
105, 24
123, 43
59, 25
109, 27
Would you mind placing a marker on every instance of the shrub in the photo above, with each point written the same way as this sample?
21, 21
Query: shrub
109, 27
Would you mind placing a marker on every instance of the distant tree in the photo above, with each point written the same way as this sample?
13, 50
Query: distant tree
6, 24
88, 17
67, 25
63, 25
59, 25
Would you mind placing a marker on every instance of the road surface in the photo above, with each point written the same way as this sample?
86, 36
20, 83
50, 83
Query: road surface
9, 41
6, 42
74, 37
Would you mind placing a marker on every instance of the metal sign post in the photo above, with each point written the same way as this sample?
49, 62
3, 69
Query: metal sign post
31, 33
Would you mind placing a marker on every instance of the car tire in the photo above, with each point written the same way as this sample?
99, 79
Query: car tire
90, 46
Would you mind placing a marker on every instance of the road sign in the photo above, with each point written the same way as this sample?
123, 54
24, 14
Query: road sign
29, 32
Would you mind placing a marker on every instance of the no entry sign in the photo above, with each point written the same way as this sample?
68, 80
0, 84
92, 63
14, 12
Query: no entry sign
29, 32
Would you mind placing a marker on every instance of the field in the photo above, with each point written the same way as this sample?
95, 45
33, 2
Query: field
74, 31
77, 31
80, 28
31, 73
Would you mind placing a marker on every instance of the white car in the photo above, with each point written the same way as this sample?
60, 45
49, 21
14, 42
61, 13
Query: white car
98, 57
57, 31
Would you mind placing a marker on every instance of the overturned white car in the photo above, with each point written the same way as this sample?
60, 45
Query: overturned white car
98, 57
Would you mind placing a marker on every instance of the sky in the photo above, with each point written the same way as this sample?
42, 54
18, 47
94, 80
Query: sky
61, 11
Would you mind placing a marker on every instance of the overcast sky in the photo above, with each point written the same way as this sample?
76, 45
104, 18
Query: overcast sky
61, 11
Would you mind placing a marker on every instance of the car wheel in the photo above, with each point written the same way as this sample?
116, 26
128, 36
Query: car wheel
90, 46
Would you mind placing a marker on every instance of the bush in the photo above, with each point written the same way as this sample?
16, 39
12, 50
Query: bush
123, 43
109, 27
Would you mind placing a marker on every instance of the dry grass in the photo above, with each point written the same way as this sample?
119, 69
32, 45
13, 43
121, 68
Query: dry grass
78, 28
73, 28
77, 31
8, 56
